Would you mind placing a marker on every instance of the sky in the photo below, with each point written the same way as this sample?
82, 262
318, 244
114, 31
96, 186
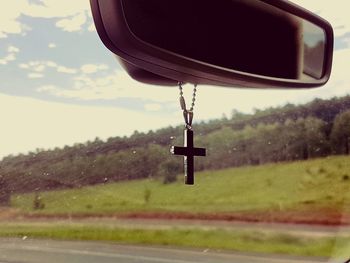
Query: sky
60, 85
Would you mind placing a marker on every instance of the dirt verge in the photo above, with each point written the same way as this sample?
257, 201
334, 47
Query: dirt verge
321, 217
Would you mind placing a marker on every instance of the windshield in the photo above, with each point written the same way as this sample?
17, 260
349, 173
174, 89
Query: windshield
86, 174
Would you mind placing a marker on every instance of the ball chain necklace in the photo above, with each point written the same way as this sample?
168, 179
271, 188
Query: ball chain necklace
188, 150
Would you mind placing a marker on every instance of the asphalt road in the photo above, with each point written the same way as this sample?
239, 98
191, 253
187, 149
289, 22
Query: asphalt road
48, 251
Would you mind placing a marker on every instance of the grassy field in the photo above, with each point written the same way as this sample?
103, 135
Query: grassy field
308, 190
308, 185
244, 241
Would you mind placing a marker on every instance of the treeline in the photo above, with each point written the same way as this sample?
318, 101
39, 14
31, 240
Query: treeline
291, 140
293, 132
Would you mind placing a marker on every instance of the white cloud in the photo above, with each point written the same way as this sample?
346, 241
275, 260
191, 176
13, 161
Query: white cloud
62, 9
57, 9
72, 24
347, 41
23, 66
35, 75
46, 88
93, 68
51, 64
153, 107
52, 45
40, 66
8, 18
12, 49
57, 124
92, 27
11, 55
66, 70
115, 85
30, 65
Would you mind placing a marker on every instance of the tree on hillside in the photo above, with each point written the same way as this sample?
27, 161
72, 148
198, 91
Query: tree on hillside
310, 138
315, 137
267, 144
340, 135
169, 170
5, 193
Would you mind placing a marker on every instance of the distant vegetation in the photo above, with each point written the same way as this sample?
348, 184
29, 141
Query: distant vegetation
292, 132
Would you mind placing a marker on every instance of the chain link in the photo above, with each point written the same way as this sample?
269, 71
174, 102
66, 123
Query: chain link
188, 114
193, 95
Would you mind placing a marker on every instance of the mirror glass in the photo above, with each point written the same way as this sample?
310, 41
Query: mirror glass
314, 50
248, 36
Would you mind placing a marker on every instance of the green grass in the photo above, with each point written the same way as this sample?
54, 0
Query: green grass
252, 241
313, 184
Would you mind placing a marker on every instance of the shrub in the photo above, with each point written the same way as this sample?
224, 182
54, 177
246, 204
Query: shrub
147, 195
169, 171
38, 203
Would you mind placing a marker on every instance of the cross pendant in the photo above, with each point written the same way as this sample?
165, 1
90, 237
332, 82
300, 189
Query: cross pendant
189, 152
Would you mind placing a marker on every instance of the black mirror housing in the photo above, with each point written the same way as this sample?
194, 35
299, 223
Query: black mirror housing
253, 43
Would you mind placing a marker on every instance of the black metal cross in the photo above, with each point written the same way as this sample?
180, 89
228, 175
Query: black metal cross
188, 151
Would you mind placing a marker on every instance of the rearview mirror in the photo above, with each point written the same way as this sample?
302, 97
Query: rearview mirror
251, 43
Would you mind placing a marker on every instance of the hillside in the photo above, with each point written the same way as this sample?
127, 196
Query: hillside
314, 191
292, 132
